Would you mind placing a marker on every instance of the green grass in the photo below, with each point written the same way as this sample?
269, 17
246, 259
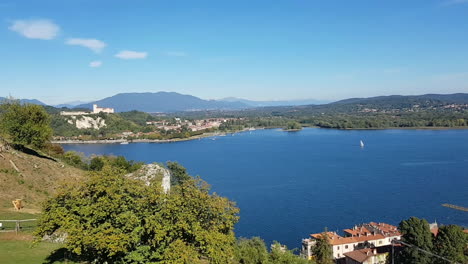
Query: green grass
25, 227
21, 252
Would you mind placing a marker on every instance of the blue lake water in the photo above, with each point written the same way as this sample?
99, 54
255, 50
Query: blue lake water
291, 184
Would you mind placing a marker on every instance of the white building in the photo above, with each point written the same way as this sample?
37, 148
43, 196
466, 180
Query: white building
97, 109
371, 235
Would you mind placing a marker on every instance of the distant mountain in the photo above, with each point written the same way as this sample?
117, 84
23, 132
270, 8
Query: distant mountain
70, 104
401, 101
26, 101
275, 103
161, 102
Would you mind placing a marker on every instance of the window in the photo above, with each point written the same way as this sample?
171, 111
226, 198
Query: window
346, 246
338, 247
380, 242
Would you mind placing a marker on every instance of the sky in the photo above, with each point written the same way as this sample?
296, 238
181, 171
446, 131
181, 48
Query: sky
60, 51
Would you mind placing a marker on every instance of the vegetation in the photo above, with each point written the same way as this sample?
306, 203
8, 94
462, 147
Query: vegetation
293, 126
25, 125
451, 242
254, 251
109, 217
322, 251
20, 251
416, 232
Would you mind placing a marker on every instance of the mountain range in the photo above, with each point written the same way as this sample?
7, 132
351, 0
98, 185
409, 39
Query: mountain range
175, 102
25, 101
161, 102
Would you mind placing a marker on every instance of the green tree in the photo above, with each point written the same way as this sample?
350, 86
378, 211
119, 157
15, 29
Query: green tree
112, 218
25, 125
96, 164
293, 125
322, 250
251, 251
281, 255
450, 243
416, 232
178, 173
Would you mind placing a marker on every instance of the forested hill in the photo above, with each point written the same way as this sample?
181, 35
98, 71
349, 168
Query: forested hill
400, 101
161, 102
377, 112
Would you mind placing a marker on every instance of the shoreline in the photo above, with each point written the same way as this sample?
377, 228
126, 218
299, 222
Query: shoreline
207, 135
125, 141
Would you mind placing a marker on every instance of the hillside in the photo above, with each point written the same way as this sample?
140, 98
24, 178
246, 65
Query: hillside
26, 101
160, 102
36, 180
253, 103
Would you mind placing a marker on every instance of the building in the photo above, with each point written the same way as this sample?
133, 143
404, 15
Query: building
97, 110
364, 236
367, 256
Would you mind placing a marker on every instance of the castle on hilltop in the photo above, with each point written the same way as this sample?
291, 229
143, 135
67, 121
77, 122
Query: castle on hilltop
97, 109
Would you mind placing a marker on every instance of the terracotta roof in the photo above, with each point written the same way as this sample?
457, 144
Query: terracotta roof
335, 239
361, 233
361, 255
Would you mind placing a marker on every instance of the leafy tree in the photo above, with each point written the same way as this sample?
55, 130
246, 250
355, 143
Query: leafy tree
96, 164
25, 125
75, 159
251, 251
293, 125
112, 218
124, 164
322, 250
450, 243
416, 232
178, 173
281, 255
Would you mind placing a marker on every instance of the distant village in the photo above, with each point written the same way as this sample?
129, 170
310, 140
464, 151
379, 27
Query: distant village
195, 125
88, 120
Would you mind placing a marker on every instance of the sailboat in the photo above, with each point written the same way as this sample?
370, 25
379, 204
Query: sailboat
362, 143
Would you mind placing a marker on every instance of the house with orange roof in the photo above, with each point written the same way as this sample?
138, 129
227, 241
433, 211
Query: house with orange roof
369, 235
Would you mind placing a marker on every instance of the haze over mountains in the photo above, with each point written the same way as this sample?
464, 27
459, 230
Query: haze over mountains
26, 101
175, 102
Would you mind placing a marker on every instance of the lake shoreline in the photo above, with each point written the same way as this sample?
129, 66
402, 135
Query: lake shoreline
207, 135
125, 141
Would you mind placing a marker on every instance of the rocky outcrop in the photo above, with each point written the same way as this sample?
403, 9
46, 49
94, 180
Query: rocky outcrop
85, 122
152, 173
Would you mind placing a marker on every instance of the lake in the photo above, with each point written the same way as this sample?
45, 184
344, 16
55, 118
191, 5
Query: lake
291, 184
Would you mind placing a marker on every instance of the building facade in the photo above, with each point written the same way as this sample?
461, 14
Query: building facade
364, 236
97, 109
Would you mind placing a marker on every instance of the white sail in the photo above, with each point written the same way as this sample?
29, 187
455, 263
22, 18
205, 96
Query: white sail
362, 144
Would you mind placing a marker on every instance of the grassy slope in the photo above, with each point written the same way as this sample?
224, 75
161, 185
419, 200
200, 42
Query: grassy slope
37, 180
21, 252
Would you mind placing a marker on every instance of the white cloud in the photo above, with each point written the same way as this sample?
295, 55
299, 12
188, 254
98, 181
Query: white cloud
35, 29
95, 64
92, 44
129, 54
176, 54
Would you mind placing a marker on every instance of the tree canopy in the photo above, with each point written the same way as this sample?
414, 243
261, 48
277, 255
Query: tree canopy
450, 243
25, 124
110, 217
322, 251
416, 232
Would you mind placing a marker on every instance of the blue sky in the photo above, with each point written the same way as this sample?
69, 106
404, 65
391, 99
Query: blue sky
59, 51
